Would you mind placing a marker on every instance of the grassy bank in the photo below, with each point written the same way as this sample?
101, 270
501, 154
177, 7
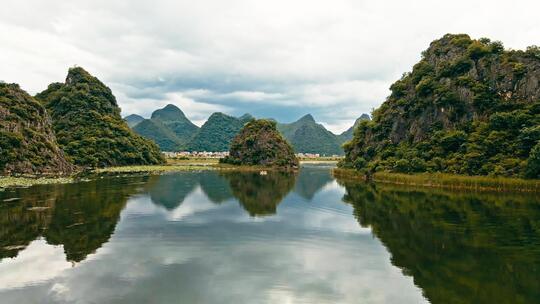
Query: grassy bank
449, 181
7, 182
155, 169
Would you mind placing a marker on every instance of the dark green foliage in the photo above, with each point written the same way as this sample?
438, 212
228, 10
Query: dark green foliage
307, 136
348, 134
259, 143
159, 133
27, 141
174, 119
216, 134
468, 107
169, 128
87, 123
533, 163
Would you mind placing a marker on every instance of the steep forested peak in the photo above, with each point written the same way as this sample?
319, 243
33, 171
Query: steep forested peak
260, 143
87, 123
27, 141
468, 106
169, 113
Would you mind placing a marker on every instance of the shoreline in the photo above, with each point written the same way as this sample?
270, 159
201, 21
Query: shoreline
173, 166
446, 181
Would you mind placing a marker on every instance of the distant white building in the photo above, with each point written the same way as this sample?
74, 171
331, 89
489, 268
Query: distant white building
202, 154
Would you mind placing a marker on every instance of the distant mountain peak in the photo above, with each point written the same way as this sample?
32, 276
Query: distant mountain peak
133, 119
169, 113
307, 118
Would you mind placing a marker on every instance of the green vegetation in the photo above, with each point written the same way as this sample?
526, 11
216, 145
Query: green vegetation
468, 107
260, 144
174, 119
349, 133
169, 128
27, 141
450, 181
217, 133
88, 126
307, 136
159, 133
155, 169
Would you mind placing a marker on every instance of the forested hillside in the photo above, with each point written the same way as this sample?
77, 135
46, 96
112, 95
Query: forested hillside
87, 123
27, 141
468, 107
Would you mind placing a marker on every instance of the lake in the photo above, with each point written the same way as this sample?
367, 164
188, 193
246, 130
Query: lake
239, 237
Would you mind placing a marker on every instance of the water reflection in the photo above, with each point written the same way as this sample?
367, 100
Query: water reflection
233, 237
260, 194
80, 217
458, 247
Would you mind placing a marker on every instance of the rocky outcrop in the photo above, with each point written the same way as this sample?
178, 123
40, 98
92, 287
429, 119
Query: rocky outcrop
468, 107
87, 122
260, 144
27, 142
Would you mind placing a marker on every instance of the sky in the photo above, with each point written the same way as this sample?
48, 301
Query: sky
280, 59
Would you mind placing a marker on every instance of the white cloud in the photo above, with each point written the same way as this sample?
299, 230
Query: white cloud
335, 59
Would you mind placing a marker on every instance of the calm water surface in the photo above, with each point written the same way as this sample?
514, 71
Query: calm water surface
209, 237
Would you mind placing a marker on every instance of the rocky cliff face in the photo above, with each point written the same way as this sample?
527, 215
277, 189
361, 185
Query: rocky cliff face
259, 143
86, 120
468, 107
27, 141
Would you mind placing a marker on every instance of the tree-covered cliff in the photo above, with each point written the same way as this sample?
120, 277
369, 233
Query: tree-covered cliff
260, 144
468, 107
87, 123
27, 141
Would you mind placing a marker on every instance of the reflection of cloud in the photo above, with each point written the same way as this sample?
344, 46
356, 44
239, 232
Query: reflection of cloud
201, 252
38, 263
196, 202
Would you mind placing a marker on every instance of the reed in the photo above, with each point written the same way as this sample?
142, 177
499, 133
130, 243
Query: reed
450, 181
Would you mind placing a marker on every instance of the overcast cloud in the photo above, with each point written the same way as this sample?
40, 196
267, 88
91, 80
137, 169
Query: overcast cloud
281, 59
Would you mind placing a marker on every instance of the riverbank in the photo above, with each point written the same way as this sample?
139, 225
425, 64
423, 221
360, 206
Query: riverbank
447, 181
176, 165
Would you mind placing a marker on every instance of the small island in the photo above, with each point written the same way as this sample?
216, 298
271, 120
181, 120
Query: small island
260, 144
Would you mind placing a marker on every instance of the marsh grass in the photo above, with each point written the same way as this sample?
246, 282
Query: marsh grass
449, 181
8, 182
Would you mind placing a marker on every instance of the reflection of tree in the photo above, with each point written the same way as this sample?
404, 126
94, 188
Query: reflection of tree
81, 216
24, 219
459, 248
170, 190
260, 194
310, 180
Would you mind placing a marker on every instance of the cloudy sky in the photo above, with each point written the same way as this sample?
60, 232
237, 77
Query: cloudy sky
281, 58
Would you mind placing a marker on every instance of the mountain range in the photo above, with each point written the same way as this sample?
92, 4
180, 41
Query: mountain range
173, 131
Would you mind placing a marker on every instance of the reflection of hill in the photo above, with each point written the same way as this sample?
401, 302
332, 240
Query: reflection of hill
23, 220
170, 190
310, 180
215, 187
81, 216
260, 194
459, 248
